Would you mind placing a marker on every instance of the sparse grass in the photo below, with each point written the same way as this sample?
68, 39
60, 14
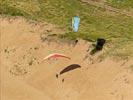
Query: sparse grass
95, 22
124, 4
120, 47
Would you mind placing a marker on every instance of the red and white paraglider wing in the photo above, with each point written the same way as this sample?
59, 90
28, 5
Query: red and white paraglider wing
56, 56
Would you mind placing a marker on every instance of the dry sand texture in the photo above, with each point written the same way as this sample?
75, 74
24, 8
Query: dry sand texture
23, 77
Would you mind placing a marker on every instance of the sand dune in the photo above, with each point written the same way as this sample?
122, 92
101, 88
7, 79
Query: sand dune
25, 77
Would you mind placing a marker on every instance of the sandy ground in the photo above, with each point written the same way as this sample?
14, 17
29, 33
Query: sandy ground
25, 77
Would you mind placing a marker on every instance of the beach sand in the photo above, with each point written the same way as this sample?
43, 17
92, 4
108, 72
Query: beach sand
25, 77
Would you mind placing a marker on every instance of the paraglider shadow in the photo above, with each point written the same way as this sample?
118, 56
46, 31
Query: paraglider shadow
69, 68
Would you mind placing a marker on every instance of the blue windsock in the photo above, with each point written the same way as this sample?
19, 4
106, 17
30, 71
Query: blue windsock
75, 23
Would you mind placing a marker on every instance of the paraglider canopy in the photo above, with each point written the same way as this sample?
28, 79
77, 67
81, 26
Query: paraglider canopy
69, 68
100, 43
55, 56
75, 23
